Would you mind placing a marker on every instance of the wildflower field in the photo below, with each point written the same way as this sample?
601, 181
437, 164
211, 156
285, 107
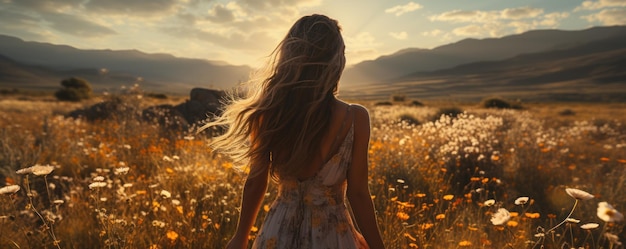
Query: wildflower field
543, 176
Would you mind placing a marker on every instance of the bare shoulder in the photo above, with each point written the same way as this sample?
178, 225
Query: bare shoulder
361, 114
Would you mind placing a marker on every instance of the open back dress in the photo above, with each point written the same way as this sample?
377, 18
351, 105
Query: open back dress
311, 213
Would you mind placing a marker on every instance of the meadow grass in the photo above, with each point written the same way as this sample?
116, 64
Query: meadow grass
483, 179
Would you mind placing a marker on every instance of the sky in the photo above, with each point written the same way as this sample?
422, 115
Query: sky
244, 32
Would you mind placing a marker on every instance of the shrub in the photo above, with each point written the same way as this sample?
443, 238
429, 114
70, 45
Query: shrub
416, 103
499, 104
448, 111
567, 112
398, 97
74, 89
409, 119
157, 95
383, 103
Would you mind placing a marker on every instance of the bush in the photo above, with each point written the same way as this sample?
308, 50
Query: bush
383, 103
567, 112
74, 89
448, 111
409, 119
157, 95
499, 103
416, 103
398, 97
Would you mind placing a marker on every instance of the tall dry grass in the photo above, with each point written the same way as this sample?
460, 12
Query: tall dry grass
124, 183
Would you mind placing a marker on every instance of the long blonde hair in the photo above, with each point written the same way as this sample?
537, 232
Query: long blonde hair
286, 113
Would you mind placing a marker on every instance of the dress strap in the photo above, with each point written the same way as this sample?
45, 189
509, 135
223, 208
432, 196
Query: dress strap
334, 144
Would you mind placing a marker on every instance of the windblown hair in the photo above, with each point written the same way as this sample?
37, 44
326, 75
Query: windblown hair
286, 113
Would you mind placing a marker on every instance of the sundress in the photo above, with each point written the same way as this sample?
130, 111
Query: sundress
311, 213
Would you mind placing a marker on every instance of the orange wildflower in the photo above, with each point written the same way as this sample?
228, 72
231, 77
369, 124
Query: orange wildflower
512, 223
465, 243
532, 215
402, 215
172, 235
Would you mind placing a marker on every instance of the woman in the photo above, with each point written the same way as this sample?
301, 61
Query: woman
293, 129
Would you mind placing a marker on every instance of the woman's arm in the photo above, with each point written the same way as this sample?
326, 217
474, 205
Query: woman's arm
358, 190
253, 194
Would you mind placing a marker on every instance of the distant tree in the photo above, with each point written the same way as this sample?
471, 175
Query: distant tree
74, 89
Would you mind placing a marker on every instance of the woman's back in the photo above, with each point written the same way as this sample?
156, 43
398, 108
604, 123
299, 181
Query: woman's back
339, 125
309, 210
292, 126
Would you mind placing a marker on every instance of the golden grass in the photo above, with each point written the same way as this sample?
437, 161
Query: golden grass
123, 183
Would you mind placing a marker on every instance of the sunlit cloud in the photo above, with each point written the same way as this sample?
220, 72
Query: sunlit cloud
477, 16
77, 26
219, 13
520, 13
222, 37
133, 8
399, 35
474, 30
553, 19
399, 10
272, 4
600, 4
236, 29
497, 23
459, 16
433, 33
363, 46
608, 17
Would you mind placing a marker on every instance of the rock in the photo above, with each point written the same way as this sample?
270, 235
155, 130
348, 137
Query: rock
166, 116
99, 111
202, 104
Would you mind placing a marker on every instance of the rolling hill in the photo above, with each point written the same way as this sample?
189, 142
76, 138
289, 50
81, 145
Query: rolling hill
541, 64
465, 51
46, 64
593, 71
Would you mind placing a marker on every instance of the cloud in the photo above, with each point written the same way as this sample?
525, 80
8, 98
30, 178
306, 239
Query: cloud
477, 16
433, 33
42, 18
552, 19
24, 26
17, 20
457, 16
48, 6
278, 4
76, 26
475, 30
220, 13
520, 13
143, 8
497, 23
600, 4
363, 46
225, 38
608, 17
399, 10
399, 35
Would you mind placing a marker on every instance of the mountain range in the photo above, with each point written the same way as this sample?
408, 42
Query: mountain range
585, 64
42, 65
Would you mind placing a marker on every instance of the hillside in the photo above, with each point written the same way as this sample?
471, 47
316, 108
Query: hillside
466, 51
542, 64
593, 71
165, 72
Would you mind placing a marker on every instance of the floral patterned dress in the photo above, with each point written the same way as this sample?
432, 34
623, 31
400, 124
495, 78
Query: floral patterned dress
311, 213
